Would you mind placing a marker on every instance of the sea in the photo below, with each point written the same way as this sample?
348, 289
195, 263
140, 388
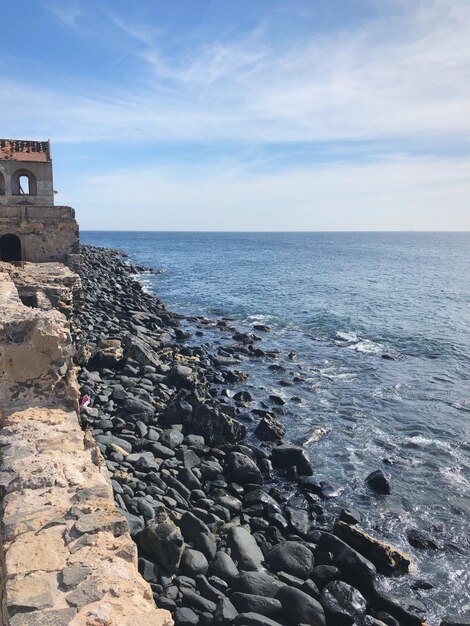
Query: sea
380, 324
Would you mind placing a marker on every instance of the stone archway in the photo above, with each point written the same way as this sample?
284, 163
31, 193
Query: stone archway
23, 183
10, 248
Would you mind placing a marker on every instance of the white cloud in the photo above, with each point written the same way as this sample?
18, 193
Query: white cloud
66, 12
402, 193
394, 78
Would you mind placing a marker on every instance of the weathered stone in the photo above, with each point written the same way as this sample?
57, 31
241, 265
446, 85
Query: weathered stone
73, 575
300, 608
87, 592
101, 521
356, 569
257, 583
162, 541
243, 470
254, 619
378, 482
245, 550
343, 604
193, 563
269, 429
222, 565
286, 456
34, 591
52, 617
387, 559
292, 557
246, 603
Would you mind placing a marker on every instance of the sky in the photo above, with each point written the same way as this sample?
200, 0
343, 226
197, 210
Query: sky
246, 115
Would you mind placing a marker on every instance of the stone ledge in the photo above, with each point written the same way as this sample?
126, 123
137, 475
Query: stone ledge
66, 556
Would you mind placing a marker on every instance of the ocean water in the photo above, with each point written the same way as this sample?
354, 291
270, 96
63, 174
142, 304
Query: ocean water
380, 323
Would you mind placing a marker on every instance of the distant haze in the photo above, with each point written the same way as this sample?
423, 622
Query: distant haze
263, 115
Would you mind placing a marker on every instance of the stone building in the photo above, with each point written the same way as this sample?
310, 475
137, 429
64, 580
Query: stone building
32, 228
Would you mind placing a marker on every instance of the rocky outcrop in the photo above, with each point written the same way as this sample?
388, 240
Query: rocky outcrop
66, 555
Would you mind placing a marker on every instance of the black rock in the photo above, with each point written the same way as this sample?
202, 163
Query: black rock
224, 613
356, 570
257, 583
244, 549
162, 542
193, 563
148, 570
185, 616
171, 438
248, 603
223, 566
343, 604
254, 619
378, 482
408, 611
269, 429
292, 557
206, 589
323, 574
419, 539
298, 519
286, 456
140, 407
136, 524
350, 516
300, 608
243, 470
197, 602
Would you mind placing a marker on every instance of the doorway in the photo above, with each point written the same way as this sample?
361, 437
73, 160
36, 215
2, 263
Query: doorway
10, 248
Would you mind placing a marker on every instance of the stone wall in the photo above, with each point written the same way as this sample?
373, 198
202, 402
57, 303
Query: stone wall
66, 556
46, 233
37, 167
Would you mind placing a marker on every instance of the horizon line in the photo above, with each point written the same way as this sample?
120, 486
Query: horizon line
281, 232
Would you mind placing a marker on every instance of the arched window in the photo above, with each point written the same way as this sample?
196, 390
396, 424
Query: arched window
10, 248
2, 184
23, 183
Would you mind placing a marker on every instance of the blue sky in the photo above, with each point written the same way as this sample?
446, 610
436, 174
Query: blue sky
246, 115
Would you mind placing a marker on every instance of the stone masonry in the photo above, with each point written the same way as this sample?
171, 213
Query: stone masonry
31, 227
66, 556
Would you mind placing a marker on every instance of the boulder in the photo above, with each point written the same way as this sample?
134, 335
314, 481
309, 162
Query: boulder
378, 482
214, 426
193, 563
257, 583
323, 574
224, 613
408, 611
420, 540
355, 569
162, 542
387, 559
254, 619
269, 429
243, 470
140, 407
223, 566
286, 456
343, 605
198, 534
245, 550
300, 608
248, 603
292, 557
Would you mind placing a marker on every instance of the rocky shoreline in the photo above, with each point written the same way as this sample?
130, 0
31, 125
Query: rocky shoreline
230, 529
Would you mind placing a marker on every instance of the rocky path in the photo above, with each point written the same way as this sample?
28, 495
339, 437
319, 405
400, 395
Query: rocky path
228, 532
